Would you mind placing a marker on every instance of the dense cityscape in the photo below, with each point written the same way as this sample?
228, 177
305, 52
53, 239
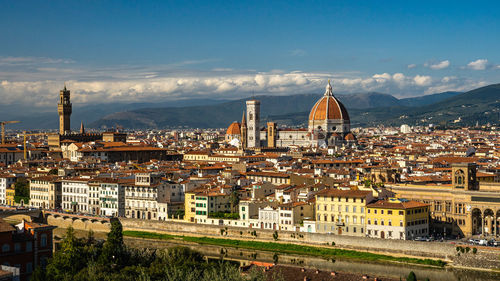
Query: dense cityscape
249, 140
407, 183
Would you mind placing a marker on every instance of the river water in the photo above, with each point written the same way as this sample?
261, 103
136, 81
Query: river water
245, 256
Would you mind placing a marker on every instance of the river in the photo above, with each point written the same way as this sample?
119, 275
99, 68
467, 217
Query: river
245, 256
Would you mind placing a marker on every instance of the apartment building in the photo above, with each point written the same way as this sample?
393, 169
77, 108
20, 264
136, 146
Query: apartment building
6, 181
397, 219
141, 196
111, 198
341, 212
75, 194
45, 192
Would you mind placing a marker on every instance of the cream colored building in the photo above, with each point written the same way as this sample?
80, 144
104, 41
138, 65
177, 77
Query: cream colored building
45, 192
341, 212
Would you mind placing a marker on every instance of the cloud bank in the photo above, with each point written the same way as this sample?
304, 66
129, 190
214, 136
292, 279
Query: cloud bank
440, 65
40, 84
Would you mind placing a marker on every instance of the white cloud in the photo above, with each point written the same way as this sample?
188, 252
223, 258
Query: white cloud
479, 64
440, 65
410, 66
422, 80
40, 85
22, 61
298, 53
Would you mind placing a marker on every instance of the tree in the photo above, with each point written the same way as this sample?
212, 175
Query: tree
113, 249
22, 191
53, 171
234, 199
411, 276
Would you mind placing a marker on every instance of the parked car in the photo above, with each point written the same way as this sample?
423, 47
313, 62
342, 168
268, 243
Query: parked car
474, 241
483, 242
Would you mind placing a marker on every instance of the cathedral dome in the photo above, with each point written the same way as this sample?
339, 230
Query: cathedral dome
328, 108
350, 137
234, 129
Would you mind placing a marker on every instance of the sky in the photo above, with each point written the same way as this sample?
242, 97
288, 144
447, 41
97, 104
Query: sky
151, 51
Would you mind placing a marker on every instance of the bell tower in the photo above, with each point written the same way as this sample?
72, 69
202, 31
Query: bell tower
64, 108
253, 122
463, 176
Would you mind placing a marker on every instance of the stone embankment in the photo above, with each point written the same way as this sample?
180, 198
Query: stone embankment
486, 258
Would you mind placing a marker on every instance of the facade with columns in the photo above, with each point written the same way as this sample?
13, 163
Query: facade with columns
463, 208
328, 125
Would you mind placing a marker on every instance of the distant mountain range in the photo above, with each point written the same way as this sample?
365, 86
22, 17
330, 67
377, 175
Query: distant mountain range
481, 105
365, 109
283, 109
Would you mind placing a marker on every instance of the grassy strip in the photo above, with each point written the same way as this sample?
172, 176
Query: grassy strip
149, 235
288, 248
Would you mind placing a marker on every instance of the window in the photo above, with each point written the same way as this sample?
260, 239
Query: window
43, 240
5, 248
17, 247
29, 267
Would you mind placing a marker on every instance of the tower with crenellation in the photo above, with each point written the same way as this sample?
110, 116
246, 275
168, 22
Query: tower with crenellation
64, 108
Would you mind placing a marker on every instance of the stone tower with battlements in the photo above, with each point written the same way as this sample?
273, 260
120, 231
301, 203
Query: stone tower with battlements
64, 109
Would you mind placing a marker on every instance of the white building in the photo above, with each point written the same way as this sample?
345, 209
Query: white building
5, 181
141, 196
75, 195
405, 129
112, 199
269, 218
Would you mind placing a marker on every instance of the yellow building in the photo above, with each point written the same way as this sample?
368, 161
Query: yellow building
397, 219
190, 206
341, 211
10, 192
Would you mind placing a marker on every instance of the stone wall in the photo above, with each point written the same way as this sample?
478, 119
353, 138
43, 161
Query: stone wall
426, 249
439, 250
79, 224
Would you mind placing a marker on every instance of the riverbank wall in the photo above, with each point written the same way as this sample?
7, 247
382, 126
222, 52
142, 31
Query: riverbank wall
486, 257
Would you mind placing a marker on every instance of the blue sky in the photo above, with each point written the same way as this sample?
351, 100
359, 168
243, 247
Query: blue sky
159, 50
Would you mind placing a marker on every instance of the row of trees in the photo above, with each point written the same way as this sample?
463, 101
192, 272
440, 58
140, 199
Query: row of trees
89, 259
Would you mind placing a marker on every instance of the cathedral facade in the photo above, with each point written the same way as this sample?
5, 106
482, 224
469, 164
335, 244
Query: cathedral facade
328, 125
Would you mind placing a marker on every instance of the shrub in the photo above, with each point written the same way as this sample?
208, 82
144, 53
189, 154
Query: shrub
467, 249
458, 248
474, 250
275, 235
411, 276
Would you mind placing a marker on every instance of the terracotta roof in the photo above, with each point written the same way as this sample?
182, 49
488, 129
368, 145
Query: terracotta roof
332, 192
396, 205
328, 107
234, 129
5, 227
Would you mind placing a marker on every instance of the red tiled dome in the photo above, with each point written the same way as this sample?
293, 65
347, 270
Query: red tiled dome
328, 107
234, 129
